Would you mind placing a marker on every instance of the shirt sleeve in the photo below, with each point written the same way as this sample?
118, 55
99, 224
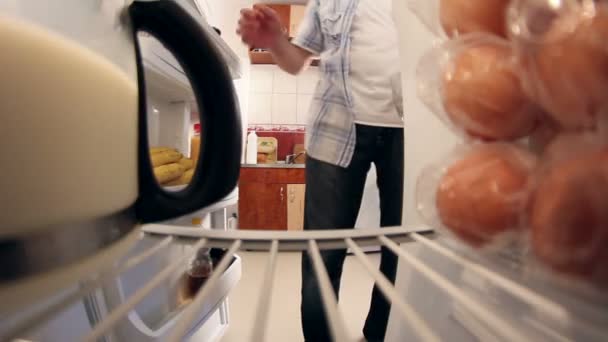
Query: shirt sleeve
310, 36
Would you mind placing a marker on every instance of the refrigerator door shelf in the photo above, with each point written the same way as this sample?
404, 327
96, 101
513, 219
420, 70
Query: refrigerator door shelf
154, 317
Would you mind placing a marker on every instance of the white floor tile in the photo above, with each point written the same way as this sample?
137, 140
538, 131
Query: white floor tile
284, 319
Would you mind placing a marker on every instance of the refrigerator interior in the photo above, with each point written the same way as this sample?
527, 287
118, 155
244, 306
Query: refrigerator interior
172, 110
440, 294
171, 114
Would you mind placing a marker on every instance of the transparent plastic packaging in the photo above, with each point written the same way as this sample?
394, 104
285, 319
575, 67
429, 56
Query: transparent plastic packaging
451, 18
542, 135
478, 195
562, 46
568, 212
472, 84
530, 182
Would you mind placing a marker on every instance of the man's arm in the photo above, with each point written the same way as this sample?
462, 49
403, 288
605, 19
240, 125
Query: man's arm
261, 26
292, 59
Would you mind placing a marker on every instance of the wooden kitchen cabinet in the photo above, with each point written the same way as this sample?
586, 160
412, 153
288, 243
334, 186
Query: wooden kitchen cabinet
295, 206
296, 15
261, 206
271, 198
284, 13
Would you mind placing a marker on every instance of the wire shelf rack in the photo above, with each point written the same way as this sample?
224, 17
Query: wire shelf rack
554, 320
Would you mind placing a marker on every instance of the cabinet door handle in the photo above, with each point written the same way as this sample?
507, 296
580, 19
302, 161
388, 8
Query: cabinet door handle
282, 195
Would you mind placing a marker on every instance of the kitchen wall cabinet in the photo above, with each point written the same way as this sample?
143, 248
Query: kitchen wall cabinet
284, 13
264, 57
271, 198
296, 14
290, 17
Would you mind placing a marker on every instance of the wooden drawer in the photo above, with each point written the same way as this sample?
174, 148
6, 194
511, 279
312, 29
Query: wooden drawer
273, 176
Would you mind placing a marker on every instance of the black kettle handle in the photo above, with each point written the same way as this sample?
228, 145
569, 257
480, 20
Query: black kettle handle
217, 170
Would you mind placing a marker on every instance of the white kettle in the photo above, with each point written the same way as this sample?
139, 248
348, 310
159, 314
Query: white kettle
76, 175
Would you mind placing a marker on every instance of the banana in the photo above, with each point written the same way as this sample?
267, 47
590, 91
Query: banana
165, 157
169, 172
187, 163
160, 149
186, 178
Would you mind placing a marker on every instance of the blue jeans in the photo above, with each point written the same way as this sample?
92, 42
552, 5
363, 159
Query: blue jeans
333, 199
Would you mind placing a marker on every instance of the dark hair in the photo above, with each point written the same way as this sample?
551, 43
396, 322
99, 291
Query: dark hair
219, 32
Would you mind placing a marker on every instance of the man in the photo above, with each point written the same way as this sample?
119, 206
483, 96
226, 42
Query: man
355, 120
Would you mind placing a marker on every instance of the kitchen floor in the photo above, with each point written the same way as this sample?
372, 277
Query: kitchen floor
284, 319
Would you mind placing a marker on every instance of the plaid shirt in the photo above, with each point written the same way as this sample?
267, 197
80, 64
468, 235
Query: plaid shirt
325, 31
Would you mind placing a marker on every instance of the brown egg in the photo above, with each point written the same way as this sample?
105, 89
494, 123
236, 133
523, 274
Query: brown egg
569, 145
482, 93
568, 68
466, 16
569, 216
483, 194
542, 136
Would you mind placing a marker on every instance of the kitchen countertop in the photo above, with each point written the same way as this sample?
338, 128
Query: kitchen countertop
274, 166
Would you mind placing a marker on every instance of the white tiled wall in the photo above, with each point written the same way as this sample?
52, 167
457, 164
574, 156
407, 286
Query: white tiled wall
276, 97
302, 108
260, 108
261, 79
284, 109
284, 83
